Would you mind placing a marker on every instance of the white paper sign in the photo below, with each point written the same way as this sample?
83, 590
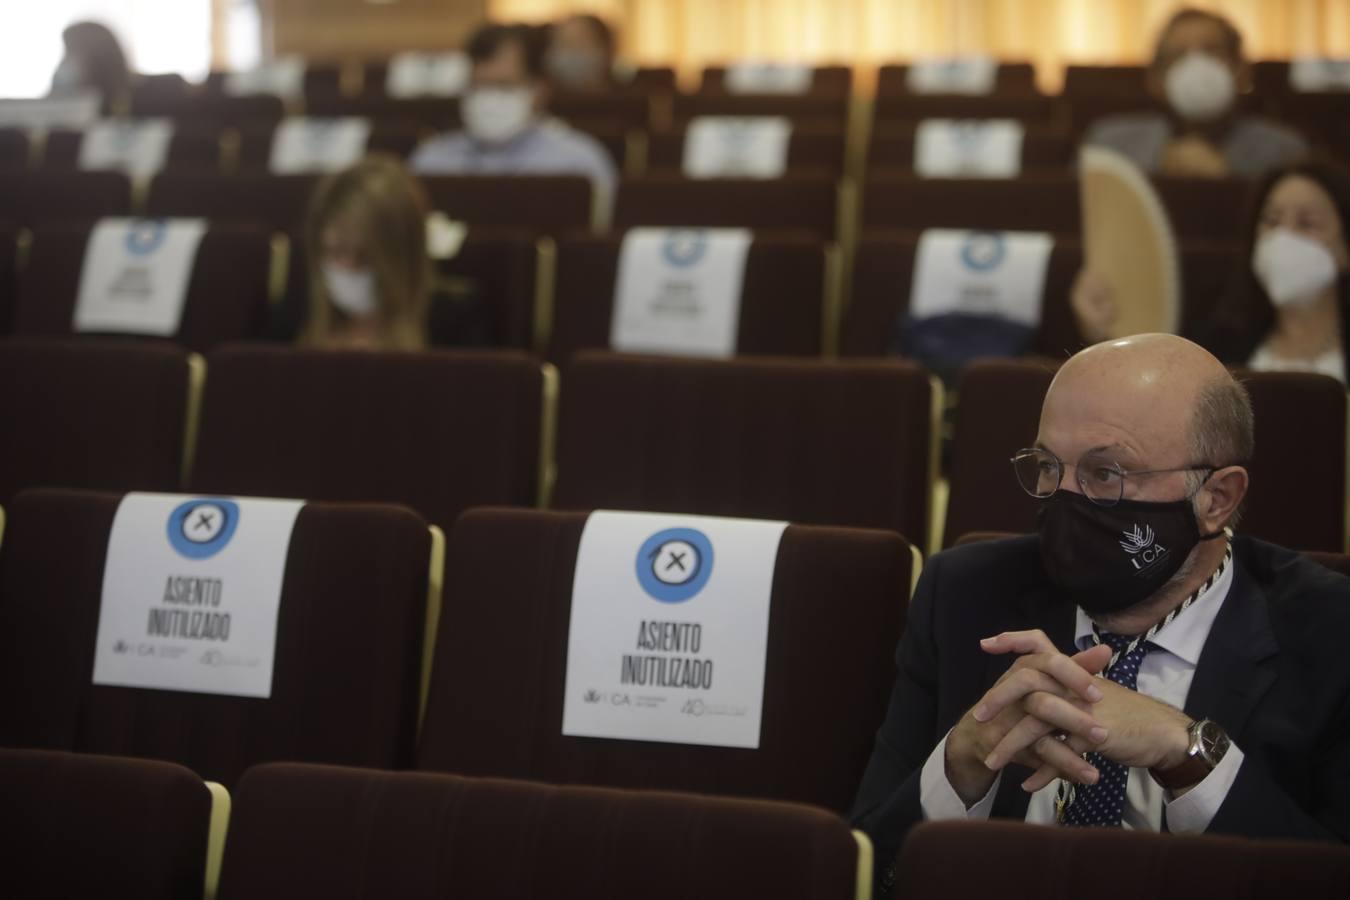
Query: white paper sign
138, 147
670, 626
302, 145
957, 75
968, 148
50, 112
678, 291
283, 77
135, 275
428, 75
736, 147
1315, 74
445, 236
191, 590
981, 273
768, 78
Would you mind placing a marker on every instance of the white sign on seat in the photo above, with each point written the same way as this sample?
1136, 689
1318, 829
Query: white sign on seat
678, 291
980, 273
768, 78
302, 145
955, 75
138, 147
669, 629
737, 147
135, 275
968, 148
191, 591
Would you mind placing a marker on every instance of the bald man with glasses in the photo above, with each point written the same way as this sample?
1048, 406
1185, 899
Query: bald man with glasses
1137, 663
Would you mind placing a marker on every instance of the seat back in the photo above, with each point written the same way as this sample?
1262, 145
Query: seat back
278, 202
804, 204
227, 292
782, 297
998, 412
1298, 477
36, 198
145, 823
348, 645
92, 414
983, 858
437, 431
543, 204
326, 832
838, 599
823, 443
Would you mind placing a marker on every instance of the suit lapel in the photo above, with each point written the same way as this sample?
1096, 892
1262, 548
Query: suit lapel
1236, 666
1039, 608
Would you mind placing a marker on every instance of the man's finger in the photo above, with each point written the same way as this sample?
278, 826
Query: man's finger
1048, 773
1018, 642
1065, 759
1094, 659
1046, 713
1011, 688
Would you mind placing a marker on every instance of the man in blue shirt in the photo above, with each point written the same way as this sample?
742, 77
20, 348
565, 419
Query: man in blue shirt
505, 129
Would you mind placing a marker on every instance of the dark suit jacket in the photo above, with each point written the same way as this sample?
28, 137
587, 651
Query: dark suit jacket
1274, 672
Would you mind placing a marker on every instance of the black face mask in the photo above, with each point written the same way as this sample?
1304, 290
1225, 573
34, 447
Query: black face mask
1108, 558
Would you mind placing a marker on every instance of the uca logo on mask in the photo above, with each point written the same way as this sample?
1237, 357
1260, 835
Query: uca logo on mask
1144, 552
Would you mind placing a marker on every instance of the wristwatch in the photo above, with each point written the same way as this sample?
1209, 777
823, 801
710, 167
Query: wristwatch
1208, 744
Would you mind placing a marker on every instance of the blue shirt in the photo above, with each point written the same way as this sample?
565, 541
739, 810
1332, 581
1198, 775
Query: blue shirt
546, 148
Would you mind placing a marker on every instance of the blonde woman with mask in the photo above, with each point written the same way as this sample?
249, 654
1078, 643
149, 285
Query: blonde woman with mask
370, 279
1289, 309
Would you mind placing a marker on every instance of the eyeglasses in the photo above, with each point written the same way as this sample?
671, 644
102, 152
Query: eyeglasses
1101, 479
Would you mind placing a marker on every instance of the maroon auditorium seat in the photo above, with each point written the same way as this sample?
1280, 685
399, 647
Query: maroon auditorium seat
227, 292
97, 414
83, 826
437, 431
803, 204
836, 81
278, 202
543, 204
891, 150
782, 297
192, 148
1016, 861
341, 833
37, 198
811, 151
348, 646
824, 443
837, 609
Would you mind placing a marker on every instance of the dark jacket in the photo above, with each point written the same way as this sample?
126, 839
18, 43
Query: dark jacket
1274, 673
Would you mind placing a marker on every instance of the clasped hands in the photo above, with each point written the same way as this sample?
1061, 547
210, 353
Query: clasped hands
1048, 710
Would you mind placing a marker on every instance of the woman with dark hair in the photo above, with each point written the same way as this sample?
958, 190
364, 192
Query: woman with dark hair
93, 61
1289, 307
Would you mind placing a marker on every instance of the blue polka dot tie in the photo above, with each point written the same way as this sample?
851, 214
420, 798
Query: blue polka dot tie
1103, 803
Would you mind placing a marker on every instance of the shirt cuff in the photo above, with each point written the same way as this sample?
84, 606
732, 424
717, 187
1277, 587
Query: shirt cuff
1192, 812
940, 800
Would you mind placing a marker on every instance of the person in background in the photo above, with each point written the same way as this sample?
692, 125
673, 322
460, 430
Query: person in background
1290, 306
371, 282
581, 54
1198, 70
93, 61
505, 129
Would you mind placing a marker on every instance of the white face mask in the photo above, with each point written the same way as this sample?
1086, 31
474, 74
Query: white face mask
351, 290
1292, 268
1200, 88
495, 115
68, 76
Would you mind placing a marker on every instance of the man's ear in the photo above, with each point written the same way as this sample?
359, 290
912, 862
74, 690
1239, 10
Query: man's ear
542, 94
1242, 75
1221, 498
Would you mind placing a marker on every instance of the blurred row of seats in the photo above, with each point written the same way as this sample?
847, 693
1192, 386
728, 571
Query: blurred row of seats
557, 297
831, 443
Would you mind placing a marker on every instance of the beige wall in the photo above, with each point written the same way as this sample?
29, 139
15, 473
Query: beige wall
692, 33
344, 29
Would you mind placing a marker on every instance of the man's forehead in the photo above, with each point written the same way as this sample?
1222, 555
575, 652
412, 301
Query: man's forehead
1198, 33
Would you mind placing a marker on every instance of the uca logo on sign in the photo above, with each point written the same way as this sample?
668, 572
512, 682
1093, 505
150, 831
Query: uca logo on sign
1143, 549
674, 565
145, 236
199, 529
685, 248
983, 251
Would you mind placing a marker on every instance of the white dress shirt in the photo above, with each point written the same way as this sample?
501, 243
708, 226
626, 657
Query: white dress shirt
1165, 674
